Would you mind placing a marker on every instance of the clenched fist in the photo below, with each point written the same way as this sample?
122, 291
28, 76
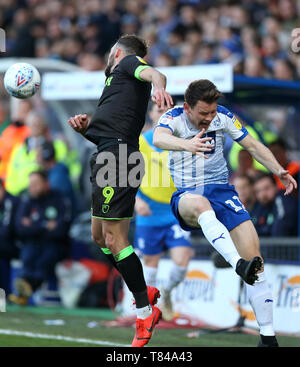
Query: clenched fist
79, 123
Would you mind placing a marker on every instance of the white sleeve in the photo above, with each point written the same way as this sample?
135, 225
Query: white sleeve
234, 128
167, 121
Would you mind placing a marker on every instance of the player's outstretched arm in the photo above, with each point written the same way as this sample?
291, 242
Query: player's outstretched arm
159, 81
163, 138
79, 123
264, 156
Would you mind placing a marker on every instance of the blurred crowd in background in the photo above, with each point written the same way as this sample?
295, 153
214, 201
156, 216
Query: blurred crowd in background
40, 174
253, 35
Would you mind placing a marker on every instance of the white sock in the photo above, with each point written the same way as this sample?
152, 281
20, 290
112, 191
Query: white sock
218, 236
261, 300
176, 276
144, 312
150, 275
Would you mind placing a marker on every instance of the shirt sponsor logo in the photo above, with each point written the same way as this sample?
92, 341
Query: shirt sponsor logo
141, 60
237, 123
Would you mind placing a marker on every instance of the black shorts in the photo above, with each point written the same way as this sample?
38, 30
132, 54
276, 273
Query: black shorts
116, 174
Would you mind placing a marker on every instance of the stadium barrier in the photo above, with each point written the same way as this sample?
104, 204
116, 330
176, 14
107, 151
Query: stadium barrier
210, 295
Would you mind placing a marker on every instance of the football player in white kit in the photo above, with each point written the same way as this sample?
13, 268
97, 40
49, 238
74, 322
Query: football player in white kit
194, 136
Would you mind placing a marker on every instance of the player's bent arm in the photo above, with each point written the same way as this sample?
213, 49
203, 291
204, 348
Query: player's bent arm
163, 138
261, 153
159, 81
153, 76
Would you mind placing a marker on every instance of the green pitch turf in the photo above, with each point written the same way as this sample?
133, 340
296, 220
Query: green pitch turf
76, 333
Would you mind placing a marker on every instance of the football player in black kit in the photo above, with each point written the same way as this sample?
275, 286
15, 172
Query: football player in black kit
117, 166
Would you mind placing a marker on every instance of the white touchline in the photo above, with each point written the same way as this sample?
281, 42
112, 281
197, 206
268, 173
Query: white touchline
29, 334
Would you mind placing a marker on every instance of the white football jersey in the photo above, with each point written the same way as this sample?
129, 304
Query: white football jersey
191, 170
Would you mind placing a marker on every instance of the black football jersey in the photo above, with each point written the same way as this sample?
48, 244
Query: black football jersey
123, 104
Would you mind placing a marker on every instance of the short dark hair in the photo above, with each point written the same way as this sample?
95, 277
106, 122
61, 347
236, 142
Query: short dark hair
201, 90
262, 175
133, 45
41, 173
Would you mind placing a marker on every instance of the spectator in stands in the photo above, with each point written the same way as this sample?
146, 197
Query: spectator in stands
65, 30
271, 51
58, 174
42, 224
244, 186
279, 149
14, 135
254, 67
206, 54
273, 214
23, 158
283, 70
245, 165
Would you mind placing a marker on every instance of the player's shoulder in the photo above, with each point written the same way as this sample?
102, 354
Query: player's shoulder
132, 60
176, 111
224, 112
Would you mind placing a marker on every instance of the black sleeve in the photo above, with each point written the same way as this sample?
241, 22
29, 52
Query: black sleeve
133, 65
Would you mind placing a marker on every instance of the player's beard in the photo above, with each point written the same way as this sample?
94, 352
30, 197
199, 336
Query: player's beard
109, 66
107, 70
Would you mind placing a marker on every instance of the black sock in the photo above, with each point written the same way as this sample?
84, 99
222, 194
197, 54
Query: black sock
131, 269
110, 257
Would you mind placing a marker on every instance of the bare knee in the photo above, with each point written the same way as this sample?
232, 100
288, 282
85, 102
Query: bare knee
181, 256
114, 240
191, 206
151, 261
201, 206
98, 238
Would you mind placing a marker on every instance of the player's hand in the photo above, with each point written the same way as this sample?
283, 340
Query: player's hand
288, 181
79, 123
198, 144
162, 99
142, 208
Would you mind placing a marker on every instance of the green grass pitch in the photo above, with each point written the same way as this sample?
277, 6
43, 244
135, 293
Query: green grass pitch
26, 327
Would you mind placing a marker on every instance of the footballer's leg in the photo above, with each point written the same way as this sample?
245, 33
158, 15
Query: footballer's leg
260, 297
196, 211
98, 238
150, 268
115, 233
180, 256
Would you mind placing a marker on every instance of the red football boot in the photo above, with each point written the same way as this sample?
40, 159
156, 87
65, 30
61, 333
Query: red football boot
153, 295
144, 328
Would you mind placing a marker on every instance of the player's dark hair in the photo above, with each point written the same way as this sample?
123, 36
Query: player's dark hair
262, 175
201, 90
41, 173
133, 45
